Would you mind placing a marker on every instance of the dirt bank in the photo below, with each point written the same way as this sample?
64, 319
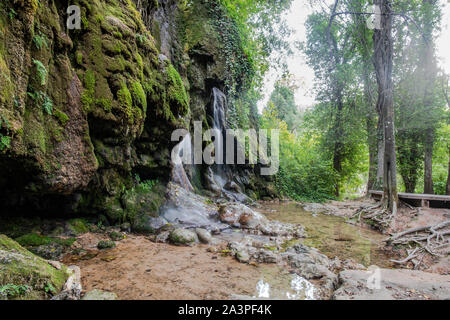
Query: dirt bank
140, 269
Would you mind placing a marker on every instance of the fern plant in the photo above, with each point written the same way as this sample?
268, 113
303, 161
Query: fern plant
5, 141
40, 97
48, 105
42, 71
40, 41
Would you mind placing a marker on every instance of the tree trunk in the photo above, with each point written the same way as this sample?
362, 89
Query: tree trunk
429, 70
383, 61
428, 169
448, 179
371, 134
337, 157
380, 156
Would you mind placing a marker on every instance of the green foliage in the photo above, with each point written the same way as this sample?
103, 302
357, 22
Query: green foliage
106, 244
5, 141
42, 71
40, 97
40, 40
12, 14
144, 186
14, 291
305, 174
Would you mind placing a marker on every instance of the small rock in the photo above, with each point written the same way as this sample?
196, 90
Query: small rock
55, 264
163, 237
183, 236
242, 256
100, 295
125, 227
106, 244
204, 235
116, 236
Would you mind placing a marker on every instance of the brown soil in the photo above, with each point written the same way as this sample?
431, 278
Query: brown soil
139, 269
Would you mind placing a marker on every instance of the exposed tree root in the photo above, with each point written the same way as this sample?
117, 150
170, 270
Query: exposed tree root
379, 215
433, 240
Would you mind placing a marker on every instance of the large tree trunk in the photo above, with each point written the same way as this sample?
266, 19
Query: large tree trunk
428, 168
380, 155
383, 61
371, 134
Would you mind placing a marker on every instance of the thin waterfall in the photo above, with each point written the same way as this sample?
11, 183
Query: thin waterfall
181, 155
219, 125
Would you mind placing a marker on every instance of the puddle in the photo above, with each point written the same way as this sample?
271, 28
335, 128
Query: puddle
332, 236
278, 284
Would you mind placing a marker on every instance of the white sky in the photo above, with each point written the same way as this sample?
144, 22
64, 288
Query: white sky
296, 19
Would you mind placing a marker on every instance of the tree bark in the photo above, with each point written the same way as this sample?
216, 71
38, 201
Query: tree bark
383, 62
428, 168
430, 73
371, 134
448, 179
380, 155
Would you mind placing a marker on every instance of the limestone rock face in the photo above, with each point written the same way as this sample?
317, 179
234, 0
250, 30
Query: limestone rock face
84, 112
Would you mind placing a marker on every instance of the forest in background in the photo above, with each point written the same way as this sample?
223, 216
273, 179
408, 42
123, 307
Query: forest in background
335, 149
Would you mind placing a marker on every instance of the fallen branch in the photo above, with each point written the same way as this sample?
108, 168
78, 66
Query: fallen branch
428, 240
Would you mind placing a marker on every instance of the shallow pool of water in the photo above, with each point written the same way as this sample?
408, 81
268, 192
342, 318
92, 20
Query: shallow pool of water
332, 235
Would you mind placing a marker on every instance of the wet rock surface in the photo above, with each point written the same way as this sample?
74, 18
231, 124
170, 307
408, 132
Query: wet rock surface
387, 284
100, 295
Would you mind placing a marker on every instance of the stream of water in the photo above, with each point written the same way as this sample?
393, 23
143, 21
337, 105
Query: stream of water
332, 235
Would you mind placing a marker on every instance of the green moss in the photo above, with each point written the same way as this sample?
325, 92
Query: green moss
116, 236
78, 226
105, 104
79, 57
36, 240
61, 116
176, 89
26, 269
139, 96
106, 244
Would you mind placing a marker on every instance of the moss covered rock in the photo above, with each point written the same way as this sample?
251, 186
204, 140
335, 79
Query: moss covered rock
21, 268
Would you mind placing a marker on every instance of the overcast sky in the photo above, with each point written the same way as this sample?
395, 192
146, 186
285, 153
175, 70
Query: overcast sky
296, 19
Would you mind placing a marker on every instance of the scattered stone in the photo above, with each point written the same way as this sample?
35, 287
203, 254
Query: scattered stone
183, 236
125, 227
109, 258
72, 288
106, 244
316, 208
100, 295
390, 284
116, 236
204, 235
55, 264
242, 256
163, 237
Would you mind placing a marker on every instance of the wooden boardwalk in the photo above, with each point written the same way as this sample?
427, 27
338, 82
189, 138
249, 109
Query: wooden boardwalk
418, 200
